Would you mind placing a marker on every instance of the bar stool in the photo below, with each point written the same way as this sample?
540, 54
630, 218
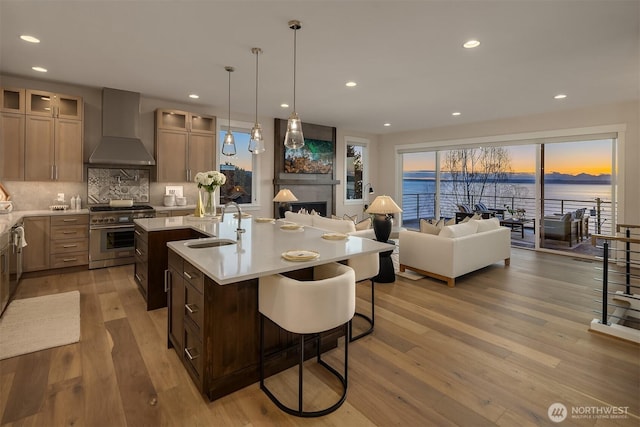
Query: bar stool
365, 267
309, 308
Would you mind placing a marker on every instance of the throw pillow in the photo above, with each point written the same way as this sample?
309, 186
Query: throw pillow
365, 224
487, 224
353, 218
459, 230
450, 221
336, 217
465, 220
427, 227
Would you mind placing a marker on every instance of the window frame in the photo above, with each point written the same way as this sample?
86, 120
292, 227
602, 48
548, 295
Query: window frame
242, 127
364, 143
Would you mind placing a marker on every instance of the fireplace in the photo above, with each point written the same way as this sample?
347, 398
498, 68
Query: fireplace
314, 188
319, 207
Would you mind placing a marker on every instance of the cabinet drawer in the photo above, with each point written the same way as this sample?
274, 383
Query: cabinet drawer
68, 260
193, 276
139, 233
69, 232
193, 356
193, 305
141, 251
69, 245
58, 220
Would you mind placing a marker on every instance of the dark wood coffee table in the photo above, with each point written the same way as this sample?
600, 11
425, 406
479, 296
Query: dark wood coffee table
516, 224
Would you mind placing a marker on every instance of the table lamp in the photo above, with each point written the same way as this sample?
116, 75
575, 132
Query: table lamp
381, 207
284, 196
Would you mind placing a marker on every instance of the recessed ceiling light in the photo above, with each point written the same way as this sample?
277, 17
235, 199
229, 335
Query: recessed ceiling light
30, 39
560, 96
284, 105
39, 69
470, 44
351, 84
387, 124
194, 96
456, 113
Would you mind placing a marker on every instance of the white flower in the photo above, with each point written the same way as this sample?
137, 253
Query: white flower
210, 180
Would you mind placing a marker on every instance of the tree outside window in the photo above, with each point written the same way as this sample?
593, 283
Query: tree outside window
239, 171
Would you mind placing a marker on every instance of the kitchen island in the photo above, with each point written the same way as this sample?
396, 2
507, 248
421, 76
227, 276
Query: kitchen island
213, 319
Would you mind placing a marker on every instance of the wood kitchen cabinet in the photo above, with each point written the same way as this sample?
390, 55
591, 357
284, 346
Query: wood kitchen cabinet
185, 144
53, 137
12, 131
35, 256
151, 262
55, 241
69, 244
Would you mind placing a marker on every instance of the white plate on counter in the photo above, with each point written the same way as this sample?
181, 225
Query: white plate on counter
300, 255
272, 220
292, 227
335, 236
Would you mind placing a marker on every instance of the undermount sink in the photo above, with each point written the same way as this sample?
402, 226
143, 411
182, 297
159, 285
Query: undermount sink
209, 243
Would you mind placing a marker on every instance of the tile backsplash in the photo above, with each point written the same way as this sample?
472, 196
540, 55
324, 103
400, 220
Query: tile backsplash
107, 184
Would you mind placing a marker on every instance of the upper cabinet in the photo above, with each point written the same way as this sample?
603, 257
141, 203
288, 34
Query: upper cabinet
12, 122
40, 103
53, 137
185, 145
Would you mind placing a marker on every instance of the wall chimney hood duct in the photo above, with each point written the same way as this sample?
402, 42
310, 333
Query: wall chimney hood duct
120, 143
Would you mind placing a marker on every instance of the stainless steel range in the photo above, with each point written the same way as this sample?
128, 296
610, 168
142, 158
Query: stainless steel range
111, 236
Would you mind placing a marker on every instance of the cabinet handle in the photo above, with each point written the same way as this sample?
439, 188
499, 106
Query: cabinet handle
70, 220
55, 168
69, 246
69, 232
69, 259
189, 355
139, 252
188, 276
51, 175
191, 308
137, 232
167, 279
138, 277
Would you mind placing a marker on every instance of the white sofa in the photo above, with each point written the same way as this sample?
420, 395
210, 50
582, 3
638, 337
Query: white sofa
458, 249
334, 225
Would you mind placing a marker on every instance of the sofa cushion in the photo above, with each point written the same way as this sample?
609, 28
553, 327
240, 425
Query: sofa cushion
486, 224
353, 218
427, 227
300, 218
365, 224
335, 225
459, 230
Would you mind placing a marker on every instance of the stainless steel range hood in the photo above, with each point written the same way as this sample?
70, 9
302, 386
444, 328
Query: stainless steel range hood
120, 143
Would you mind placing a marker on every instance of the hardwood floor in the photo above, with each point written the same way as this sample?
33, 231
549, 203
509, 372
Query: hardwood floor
498, 349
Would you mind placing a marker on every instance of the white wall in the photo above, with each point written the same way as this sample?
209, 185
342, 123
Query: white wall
627, 114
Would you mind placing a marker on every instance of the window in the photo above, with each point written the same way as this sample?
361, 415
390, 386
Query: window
356, 170
241, 169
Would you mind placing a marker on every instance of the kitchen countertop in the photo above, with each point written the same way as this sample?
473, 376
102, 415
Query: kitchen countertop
9, 220
258, 252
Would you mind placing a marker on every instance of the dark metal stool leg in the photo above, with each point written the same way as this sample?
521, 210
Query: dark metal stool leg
370, 320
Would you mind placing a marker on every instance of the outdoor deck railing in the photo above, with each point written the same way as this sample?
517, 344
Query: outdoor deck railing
422, 205
620, 283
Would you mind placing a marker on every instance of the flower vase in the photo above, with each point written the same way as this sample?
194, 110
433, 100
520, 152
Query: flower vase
210, 203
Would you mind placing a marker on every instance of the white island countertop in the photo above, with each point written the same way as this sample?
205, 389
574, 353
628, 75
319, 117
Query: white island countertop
259, 251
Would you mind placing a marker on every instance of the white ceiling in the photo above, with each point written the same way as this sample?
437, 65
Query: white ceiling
406, 56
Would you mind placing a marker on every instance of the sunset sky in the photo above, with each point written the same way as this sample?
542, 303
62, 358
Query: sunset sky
592, 157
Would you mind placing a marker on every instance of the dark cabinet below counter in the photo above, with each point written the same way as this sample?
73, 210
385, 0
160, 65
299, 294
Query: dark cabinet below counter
151, 261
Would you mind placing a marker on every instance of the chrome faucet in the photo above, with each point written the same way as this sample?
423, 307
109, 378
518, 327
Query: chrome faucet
239, 230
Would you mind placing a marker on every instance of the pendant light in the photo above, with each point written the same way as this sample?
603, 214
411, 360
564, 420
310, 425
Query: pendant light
294, 139
229, 144
256, 143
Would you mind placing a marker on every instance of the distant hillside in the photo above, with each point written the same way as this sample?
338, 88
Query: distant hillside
550, 178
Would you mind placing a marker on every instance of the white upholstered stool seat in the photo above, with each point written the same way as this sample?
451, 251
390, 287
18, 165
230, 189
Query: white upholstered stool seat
365, 267
309, 307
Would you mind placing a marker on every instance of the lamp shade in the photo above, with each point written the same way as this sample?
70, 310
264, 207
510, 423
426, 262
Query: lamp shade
383, 205
285, 195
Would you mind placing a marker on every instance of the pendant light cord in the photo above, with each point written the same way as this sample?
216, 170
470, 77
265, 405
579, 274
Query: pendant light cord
229, 117
295, 50
257, 54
